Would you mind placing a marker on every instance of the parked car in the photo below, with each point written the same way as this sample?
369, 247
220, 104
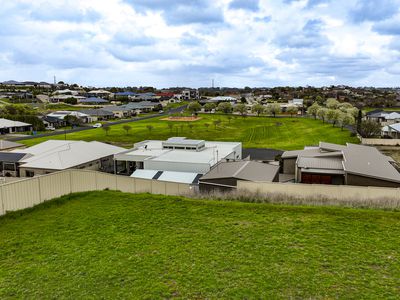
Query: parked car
50, 128
97, 125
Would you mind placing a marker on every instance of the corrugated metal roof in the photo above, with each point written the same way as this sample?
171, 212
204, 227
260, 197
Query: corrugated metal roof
368, 161
320, 163
246, 170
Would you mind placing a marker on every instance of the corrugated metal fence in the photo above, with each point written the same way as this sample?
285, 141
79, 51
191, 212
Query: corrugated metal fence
30, 192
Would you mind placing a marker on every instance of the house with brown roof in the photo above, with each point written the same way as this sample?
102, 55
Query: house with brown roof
348, 164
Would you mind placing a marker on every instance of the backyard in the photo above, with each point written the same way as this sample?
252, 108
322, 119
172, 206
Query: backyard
114, 245
259, 132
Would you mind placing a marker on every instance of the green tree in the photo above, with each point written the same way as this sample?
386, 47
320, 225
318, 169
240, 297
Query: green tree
190, 125
225, 107
127, 128
274, 108
258, 109
313, 109
150, 128
332, 103
209, 106
369, 128
170, 126
333, 116
241, 108
321, 113
345, 119
194, 107
216, 123
292, 110
72, 120
106, 129
207, 125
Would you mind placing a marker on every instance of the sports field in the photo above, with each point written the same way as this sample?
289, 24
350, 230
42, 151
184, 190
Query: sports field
108, 245
278, 133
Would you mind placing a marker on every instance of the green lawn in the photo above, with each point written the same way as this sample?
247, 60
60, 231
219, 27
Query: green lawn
368, 109
113, 245
279, 133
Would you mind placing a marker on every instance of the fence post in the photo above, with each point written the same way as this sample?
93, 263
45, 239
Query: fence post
40, 190
3, 211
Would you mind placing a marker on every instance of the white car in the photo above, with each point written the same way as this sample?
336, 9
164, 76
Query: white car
50, 128
97, 125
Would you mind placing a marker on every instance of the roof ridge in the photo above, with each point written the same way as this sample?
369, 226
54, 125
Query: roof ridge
241, 168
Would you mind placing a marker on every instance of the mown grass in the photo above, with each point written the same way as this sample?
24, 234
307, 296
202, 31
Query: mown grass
279, 133
115, 245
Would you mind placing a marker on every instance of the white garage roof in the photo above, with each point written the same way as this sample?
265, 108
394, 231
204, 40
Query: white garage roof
60, 155
5, 123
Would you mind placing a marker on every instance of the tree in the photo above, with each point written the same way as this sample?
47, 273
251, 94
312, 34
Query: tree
209, 106
72, 120
242, 109
258, 109
332, 103
207, 125
319, 100
321, 113
369, 128
190, 125
194, 107
127, 128
243, 100
345, 119
225, 107
150, 128
106, 129
359, 120
313, 109
344, 107
274, 108
333, 116
170, 126
292, 110
216, 123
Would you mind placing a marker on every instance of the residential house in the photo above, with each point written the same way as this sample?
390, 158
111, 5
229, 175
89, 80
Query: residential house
120, 111
176, 154
62, 114
58, 155
384, 117
98, 114
93, 100
341, 164
11, 126
225, 175
53, 122
189, 94
391, 131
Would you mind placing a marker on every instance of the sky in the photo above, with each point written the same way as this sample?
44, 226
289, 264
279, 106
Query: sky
191, 42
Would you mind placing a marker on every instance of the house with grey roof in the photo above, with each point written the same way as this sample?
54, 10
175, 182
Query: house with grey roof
348, 164
98, 114
225, 175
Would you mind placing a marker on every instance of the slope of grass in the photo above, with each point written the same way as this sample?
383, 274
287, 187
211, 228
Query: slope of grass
115, 245
278, 133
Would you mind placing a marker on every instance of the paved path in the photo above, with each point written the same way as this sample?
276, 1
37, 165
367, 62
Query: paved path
78, 129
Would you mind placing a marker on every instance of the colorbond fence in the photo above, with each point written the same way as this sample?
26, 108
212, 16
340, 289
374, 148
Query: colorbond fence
312, 191
381, 142
30, 192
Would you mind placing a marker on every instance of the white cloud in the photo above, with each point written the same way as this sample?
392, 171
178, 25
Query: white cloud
162, 43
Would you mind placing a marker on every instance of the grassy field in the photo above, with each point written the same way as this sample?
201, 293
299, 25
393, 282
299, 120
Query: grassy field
114, 245
368, 109
279, 133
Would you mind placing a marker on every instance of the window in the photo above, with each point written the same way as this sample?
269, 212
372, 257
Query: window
29, 173
9, 167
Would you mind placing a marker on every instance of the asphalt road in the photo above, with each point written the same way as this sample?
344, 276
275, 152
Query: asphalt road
77, 129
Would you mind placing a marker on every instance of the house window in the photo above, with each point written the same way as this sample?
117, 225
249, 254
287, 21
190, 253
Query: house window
29, 173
